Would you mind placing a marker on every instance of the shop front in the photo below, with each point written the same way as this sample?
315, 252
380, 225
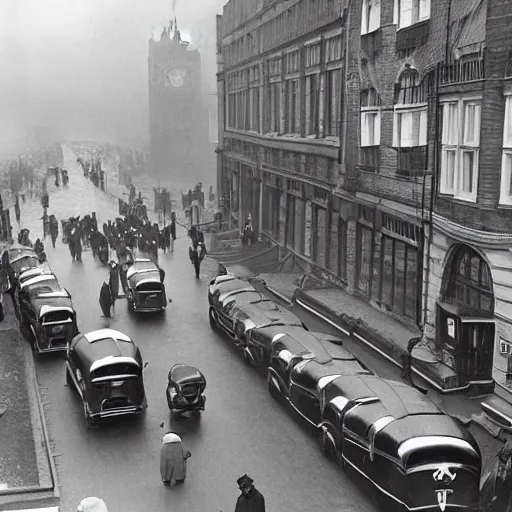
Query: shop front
272, 190
389, 263
465, 320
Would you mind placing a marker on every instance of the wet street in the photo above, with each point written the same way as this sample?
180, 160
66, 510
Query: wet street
242, 430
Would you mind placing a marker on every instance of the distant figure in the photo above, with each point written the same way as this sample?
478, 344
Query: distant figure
106, 299
173, 459
250, 500
92, 505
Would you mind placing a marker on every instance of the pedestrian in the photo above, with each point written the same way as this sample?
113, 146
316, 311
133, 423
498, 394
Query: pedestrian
92, 504
250, 499
173, 459
106, 299
114, 278
173, 230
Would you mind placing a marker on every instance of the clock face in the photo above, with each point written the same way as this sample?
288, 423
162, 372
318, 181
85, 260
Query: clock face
176, 77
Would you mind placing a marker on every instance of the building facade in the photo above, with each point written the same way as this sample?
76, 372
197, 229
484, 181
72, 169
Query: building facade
371, 139
178, 123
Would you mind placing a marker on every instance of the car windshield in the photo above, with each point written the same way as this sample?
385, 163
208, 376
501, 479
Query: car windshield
114, 371
441, 454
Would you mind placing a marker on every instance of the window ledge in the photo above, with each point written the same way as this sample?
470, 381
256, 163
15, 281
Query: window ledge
459, 200
417, 24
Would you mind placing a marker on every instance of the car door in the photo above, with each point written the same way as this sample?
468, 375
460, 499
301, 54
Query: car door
302, 397
225, 319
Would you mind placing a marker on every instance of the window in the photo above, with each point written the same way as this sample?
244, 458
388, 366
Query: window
255, 109
275, 106
370, 16
410, 123
412, 11
364, 259
292, 106
342, 248
333, 101
506, 163
460, 142
312, 103
370, 118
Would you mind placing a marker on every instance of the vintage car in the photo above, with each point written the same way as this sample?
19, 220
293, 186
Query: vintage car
146, 290
106, 369
16, 259
238, 316
300, 382
185, 390
259, 342
225, 285
414, 456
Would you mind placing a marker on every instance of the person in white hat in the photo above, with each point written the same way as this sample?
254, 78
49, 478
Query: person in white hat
173, 459
92, 504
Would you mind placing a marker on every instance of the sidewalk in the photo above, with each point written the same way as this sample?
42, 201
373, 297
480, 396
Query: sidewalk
27, 470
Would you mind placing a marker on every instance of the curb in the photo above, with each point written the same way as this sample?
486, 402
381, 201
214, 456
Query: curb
394, 357
279, 295
40, 418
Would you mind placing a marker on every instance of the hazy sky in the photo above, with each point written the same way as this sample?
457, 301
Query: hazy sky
79, 67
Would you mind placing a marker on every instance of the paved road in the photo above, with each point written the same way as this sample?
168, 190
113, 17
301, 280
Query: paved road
242, 429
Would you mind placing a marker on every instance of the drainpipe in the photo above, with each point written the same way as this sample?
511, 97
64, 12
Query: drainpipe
343, 120
449, 15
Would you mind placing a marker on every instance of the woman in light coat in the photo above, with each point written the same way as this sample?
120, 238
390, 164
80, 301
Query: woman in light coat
173, 459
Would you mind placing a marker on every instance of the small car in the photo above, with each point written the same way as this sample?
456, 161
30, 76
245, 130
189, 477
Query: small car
225, 285
412, 454
300, 383
146, 290
47, 312
106, 369
185, 390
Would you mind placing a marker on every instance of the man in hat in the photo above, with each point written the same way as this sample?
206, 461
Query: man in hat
251, 500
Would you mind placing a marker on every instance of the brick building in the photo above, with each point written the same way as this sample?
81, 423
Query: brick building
367, 137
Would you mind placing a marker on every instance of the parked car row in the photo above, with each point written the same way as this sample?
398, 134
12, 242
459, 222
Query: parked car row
44, 308
412, 454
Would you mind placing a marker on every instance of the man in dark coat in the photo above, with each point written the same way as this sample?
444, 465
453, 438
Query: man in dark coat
106, 299
251, 500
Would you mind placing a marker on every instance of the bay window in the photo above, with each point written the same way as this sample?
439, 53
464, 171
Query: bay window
506, 162
411, 12
460, 141
370, 16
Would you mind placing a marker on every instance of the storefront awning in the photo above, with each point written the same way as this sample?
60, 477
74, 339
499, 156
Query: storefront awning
467, 313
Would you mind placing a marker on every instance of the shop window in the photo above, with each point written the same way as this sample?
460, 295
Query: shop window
365, 245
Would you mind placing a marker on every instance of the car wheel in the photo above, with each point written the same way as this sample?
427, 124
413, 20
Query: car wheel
212, 315
69, 380
274, 393
326, 445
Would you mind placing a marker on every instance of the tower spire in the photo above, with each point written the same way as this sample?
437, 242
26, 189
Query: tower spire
176, 31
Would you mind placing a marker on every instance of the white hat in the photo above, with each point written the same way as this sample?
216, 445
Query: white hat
92, 504
171, 438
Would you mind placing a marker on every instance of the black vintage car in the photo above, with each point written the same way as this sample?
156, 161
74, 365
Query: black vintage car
222, 286
146, 290
46, 312
412, 454
259, 342
185, 390
238, 315
300, 382
106, 369
16, 259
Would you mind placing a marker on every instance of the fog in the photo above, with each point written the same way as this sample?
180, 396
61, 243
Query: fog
77, 69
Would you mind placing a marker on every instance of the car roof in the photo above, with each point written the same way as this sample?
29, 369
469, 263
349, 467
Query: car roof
310, 374
96, 345
56, 302
266, 311
240, 296
287, 342
308, 341
232, 285
183, 373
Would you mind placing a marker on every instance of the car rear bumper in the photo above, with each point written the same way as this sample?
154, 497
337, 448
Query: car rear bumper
121, 411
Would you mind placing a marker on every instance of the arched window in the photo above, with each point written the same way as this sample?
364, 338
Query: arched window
469, 282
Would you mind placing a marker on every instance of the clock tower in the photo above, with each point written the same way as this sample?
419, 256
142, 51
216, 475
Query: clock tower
178, 122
